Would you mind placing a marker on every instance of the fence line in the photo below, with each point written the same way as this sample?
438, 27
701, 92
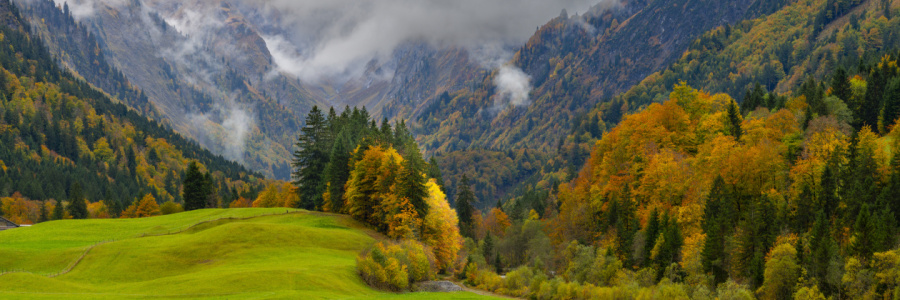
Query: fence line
182, 229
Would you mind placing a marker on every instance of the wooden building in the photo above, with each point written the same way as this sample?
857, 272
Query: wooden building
7, 224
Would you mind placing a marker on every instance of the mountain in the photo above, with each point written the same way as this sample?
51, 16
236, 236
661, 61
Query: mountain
218, 100
221, 79
59, 132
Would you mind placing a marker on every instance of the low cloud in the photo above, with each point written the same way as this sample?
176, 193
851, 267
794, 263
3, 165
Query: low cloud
227, 126
336, 37
513, 87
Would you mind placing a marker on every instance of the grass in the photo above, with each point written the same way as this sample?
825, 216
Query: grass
255, 255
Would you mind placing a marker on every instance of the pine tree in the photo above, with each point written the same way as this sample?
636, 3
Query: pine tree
464, 209
310, 159
77, 206
194, 189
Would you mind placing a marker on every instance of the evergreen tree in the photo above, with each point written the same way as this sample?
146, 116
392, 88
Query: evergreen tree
891, 109
77, 206
822, 247
652, 233
670, 249
870, 108
863, 239
828, 197
464, 208
43, 217
889, 196
310, 159
434, 171
338, 171
194, 189
757, 236
862, 184
753, 99
734, 120
58, 213
716, 224
626, 224
209, 190
804, 213
840, 85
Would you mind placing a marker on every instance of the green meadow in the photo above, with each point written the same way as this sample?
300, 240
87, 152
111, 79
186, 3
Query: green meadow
250, 253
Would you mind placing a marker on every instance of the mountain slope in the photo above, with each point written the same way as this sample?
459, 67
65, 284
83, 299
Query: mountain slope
58, 131
219, 100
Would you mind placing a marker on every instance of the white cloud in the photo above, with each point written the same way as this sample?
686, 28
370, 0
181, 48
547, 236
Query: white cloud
513, 86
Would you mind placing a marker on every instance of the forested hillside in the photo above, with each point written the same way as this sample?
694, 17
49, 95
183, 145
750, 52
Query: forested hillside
63, 139
220, 101
574, 63
789, 192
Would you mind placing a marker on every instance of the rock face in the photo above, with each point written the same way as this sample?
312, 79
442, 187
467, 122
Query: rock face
438, 286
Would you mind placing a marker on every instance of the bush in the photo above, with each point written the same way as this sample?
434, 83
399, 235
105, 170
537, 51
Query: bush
395, 266
170, 207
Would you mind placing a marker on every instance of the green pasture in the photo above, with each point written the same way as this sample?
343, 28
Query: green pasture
247, 253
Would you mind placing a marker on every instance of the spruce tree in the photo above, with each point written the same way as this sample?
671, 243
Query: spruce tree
828, 197
803, 214
822, 248
870, 108
716, 222
77, 206
651, 233
863, 239
194, 189
310, 159
464, 208
891, 107
840, 85
43, 217
338, 170
58, 213
434, 171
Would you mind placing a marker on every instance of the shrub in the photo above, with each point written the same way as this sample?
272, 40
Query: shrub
170, 207
395, 266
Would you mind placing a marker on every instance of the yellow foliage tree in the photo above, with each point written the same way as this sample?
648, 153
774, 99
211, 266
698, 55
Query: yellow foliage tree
439, 228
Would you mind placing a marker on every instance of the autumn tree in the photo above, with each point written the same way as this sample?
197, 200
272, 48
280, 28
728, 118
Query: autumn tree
439, 228
781, 273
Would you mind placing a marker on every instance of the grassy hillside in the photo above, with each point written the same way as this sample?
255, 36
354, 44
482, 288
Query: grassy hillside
213, 253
